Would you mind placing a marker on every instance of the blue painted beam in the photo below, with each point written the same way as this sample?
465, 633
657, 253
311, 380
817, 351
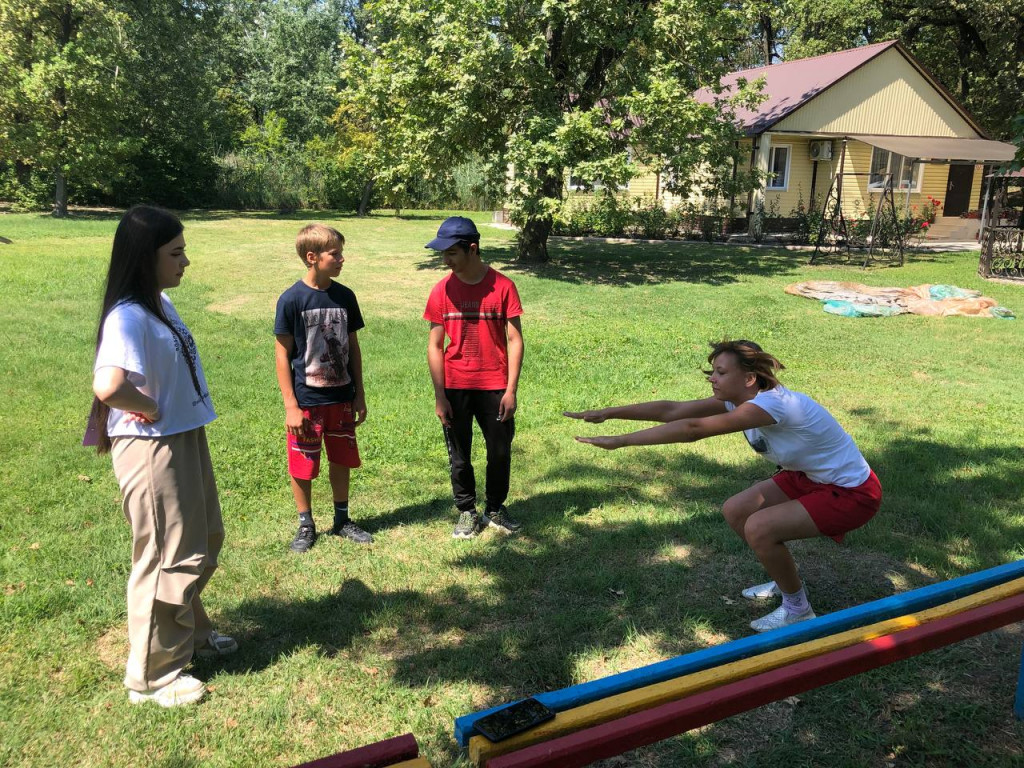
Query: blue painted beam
857, 616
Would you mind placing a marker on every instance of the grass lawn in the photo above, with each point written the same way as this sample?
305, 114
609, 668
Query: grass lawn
624, 559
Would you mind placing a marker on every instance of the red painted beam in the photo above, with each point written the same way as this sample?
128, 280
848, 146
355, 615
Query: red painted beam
647, 727
379, 755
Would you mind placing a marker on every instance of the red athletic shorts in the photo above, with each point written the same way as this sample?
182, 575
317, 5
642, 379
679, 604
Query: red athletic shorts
335, 426
834, 509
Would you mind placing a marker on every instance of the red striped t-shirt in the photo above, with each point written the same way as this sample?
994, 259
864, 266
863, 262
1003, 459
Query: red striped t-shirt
474, 319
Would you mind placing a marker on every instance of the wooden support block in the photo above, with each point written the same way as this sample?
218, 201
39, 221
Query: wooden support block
707, 658
419, 762
380, 755
482, 749
636, 730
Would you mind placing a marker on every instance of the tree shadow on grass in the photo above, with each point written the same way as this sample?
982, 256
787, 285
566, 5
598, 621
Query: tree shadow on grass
438, 508
577, 596
644, 263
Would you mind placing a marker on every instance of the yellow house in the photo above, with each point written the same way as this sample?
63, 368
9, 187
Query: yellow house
852, 121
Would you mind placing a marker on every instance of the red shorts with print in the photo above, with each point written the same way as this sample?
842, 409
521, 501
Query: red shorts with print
834, 509
333, 425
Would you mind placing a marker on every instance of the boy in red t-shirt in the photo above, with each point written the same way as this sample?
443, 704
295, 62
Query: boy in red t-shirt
476, 376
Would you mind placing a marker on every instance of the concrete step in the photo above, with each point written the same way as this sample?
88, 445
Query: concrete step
953, 228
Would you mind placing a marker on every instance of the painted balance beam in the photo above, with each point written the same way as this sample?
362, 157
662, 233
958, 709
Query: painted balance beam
382, 754
612, 708
652, 725
707, 658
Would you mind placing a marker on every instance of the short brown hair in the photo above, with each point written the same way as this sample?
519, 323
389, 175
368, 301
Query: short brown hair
751, 358
316, 238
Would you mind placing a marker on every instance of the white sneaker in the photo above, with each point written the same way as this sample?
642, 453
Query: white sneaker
216, 645
184, 689
779, 618
765, 591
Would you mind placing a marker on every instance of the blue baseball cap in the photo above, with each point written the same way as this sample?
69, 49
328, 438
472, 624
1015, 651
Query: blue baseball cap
454, 230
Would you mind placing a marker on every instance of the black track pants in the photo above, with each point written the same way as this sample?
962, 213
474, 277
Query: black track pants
481, 405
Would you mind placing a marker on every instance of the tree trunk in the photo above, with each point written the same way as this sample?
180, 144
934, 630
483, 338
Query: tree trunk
364, 201
533, 241
533, 236
60, 198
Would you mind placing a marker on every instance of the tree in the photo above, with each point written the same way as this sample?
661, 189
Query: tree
602, 87
178, 109
63, 90
290, 54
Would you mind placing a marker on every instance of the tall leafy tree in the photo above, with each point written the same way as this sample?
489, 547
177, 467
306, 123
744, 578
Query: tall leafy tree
63, 90
602, 87
178, 108
290, 54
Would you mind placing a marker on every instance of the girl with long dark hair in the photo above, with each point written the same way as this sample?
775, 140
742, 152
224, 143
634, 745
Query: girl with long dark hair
824, 487
150, 413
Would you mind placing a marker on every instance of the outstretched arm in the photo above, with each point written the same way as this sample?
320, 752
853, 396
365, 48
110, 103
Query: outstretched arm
687, 430
656, 410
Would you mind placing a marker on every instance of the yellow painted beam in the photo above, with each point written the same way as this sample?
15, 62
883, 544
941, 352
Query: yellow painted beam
417, 762
613, 707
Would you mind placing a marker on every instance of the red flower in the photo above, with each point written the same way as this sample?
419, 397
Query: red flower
924, 225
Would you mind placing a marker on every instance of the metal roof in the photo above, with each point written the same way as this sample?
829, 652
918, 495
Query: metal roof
791, 84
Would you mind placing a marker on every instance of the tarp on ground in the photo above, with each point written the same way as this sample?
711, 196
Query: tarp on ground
858, 300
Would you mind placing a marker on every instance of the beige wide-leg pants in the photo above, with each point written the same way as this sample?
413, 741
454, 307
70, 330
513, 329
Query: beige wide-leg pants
170, 499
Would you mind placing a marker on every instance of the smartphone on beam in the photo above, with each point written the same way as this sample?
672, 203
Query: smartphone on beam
514, 719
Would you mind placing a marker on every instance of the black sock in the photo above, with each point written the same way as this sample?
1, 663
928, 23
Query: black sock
306, 518
340, 513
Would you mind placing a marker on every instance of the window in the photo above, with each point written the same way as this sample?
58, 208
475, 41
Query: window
906, 174
778, 167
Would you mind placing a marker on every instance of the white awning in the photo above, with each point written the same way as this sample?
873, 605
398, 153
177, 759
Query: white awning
943, 150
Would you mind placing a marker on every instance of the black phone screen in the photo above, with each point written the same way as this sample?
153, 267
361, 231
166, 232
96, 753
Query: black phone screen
514, 719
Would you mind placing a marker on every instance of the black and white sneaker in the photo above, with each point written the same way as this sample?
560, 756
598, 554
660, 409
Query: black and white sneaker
469, 526
352, 532
501, 520
304, 539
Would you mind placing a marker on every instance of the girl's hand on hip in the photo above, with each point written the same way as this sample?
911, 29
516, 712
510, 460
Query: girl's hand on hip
150, 417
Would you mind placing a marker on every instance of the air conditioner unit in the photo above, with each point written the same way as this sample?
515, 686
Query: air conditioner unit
821, 150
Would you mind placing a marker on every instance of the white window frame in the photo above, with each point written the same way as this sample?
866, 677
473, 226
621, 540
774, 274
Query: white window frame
917, 172
772, 178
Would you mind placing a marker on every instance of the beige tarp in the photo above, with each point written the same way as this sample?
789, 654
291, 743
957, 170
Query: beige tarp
917, 299
942, 149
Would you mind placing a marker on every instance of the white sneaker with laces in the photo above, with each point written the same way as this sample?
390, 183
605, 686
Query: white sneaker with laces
779, 618
184, 689
765, 591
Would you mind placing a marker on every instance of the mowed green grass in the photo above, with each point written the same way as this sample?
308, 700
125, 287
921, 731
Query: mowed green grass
624, 559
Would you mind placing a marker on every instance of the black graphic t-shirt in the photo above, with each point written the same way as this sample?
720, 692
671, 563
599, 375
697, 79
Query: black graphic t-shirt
320, 322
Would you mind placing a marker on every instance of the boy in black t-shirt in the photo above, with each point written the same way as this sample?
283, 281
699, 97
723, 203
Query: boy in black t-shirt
320, 372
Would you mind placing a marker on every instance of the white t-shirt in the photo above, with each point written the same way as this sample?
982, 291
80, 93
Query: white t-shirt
135, 340
806, 438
